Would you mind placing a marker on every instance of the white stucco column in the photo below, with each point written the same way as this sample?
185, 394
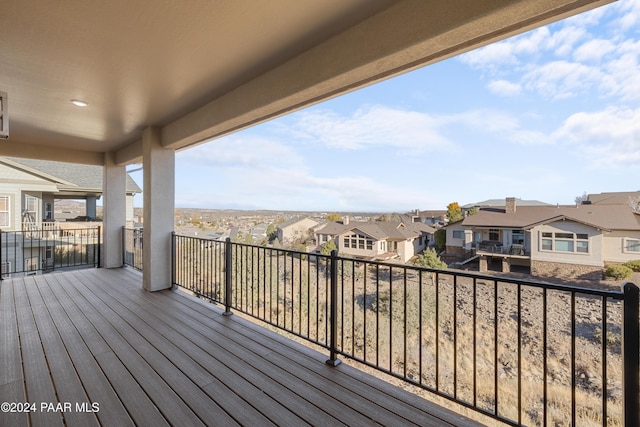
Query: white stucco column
158, 194
91, 206
113, 211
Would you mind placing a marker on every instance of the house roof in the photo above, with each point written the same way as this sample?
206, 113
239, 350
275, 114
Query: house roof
379, 230
295, 220
613, 198
502, 202
69, 177
607, 217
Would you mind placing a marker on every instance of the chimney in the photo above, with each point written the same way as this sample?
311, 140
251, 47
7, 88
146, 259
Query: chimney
345, 220
510, 205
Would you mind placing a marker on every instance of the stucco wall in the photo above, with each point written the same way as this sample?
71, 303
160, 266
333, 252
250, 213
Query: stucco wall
613, 243
593, 258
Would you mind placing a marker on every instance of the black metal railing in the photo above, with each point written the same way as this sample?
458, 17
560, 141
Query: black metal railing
43, 250
522, 352
132, 247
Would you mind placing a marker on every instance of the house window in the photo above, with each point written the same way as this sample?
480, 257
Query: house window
4, 211
458, 234
48, 211
631, 245
31, 207
358, 241
564, 242
494, 235
517, 237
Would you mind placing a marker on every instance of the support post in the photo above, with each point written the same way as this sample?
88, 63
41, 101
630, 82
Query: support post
333, 316
630, 355
159, 210
227, 277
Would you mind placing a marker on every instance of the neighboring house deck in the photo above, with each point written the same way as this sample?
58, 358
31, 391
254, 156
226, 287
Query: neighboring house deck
94, 340
28, 190
557, 241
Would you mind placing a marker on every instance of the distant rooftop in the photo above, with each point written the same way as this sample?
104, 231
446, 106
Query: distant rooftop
612, 198
68, 176
497, 203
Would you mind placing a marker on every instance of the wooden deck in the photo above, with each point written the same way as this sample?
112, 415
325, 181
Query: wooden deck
90, 347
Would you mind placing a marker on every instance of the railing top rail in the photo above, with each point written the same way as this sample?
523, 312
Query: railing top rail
612, 294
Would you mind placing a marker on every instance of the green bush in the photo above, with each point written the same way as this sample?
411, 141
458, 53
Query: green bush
618, 272
633, 265
430, 259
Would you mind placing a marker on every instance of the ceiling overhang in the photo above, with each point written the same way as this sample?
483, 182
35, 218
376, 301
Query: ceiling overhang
201, 70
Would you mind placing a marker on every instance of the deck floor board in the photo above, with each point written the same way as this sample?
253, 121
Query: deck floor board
166, 358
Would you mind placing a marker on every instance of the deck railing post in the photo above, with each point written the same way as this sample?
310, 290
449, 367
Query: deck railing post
173, 260
333, 316
99, 251
630, 354
1, 255
124, 246
227, 277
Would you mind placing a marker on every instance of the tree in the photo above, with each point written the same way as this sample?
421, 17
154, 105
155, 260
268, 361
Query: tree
328, 247
429, 258
580, 199
440, 236
454, 212
333, 217
272, 232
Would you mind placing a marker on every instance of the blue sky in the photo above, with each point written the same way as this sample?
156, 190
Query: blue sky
547, 115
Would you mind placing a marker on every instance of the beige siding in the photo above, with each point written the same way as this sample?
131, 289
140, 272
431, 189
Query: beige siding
593, 258
614, 246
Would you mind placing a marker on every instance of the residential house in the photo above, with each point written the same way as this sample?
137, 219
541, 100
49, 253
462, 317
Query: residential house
551, 241
381, 240
28, 190
295, 229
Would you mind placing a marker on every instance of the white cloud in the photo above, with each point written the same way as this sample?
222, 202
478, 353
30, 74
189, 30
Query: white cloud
296, 189
609, 137
630, 14
239, 150
593, 50
561, 79
504, 88
373, 126
498, 125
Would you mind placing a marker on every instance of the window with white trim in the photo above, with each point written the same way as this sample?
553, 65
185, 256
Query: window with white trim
564, 242
5, 211
631, 245
31, 207
458, 234
358, 241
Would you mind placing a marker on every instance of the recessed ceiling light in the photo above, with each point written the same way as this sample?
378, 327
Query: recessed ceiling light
79, 103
